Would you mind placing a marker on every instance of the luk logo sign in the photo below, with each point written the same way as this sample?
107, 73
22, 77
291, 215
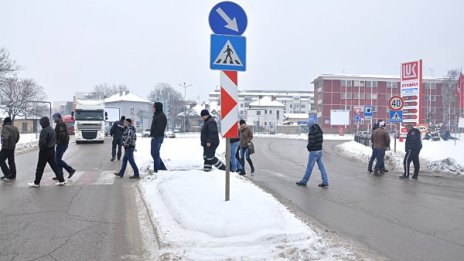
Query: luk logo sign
410, 71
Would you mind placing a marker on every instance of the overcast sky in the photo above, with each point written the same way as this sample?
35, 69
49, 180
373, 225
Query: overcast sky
69, 46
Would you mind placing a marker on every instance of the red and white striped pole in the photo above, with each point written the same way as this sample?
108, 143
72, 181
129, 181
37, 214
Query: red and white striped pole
229, 116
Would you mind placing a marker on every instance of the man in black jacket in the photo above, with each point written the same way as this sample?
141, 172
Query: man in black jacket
47, 143
413, 147
158, 126
116, 132
10, 137
210, 142
315, 139
62, 142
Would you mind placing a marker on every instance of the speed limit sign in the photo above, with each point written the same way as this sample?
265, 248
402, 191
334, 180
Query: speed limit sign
396, 103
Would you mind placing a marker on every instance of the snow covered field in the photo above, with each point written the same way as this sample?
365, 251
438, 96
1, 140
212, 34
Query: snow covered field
440, 157
195, 223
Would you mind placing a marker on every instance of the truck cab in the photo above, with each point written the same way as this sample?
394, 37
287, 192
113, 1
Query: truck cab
89, 116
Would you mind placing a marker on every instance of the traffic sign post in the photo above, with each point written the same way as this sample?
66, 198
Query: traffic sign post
228, 53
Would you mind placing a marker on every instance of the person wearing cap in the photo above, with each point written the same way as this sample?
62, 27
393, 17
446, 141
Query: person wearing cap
380, 142
116, 132
372, 159
210, 142
47, 142
315, 140
62, 143
128, 142
158, 127
413, 147
10, 136
246, 135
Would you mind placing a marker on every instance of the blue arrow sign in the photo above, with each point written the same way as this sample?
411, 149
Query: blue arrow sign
228, 53
228, 18
396, 116
357, 118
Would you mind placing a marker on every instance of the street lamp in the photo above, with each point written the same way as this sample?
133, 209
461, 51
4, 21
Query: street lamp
184, 85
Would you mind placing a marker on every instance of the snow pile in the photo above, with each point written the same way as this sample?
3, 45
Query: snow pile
448, 166
27, 142
194, 221
357, 151
439, 150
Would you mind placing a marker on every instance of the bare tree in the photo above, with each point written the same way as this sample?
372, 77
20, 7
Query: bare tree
172, 101
105, 90
18, 97
449, 97
6, 64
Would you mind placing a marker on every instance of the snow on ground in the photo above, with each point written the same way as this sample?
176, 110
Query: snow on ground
27, 141
304, 136
441, 157
194, 222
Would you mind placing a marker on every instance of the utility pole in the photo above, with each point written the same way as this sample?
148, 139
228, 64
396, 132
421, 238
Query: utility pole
184, 85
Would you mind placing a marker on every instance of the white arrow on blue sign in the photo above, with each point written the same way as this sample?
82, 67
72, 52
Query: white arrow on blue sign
228, 18
228, 53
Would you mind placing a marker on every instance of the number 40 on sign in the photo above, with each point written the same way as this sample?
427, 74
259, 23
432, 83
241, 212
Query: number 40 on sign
396, 103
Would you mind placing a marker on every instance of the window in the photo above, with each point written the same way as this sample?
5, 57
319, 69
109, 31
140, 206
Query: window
372, 96
371, 84
392, 85
429, 85
430, 98
24, 127
345, 95
290, 106
132, 111
265, 111
270, 111
241, 105
303, 106
258, 113
278, 113
345, 83
359, 95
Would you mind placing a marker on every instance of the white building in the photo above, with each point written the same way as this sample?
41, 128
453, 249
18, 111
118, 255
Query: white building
138, 109
266, 113
293, 101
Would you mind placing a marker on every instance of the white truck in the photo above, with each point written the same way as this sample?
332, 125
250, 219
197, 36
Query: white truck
89, 116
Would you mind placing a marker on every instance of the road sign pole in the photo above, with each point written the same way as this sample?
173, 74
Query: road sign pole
227, 169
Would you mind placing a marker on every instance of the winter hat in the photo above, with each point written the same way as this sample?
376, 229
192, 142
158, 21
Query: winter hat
382, 124
204, 113
56, 116
158, 106
7, 120
242, 122
123, 118
129, 121
311, 122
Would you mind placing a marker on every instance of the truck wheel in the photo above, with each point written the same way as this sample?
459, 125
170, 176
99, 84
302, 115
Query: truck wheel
78, 142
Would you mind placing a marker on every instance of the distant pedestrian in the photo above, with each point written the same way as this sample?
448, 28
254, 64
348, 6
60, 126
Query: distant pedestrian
372, 159
116, 132
47, 142
10, 137
315, 140
210, 142
62, 143
381, 141
128, 142
413, 147
158, 127
235, 165
246, 136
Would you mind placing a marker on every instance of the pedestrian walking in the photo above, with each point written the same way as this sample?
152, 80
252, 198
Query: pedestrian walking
413, 147
129, 138
10, 137
315, 140
116, 132
235, 165
158, 127
47, 142
62, 143
380, 142
246, 136
372, 159
210, 142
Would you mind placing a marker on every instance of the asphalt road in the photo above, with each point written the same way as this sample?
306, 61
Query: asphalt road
94, 217
398, 219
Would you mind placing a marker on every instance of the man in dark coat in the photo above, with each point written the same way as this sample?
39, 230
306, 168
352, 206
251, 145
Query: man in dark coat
315, 140
62, 143
116, 132
210, 142
380, 142
413, 147
158, 127
10, 136
373, 156
47, 142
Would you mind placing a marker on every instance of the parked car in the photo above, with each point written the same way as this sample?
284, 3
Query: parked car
146, 133
169, 134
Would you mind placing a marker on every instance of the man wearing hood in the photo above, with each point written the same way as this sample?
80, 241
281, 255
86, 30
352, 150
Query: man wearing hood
116, 132
10, 136
210, 142
47, 142
315, 139
158, 127
62, 143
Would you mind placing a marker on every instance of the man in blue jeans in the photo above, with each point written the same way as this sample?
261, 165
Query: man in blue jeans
158, 126
62, 143
128, 142
315, 139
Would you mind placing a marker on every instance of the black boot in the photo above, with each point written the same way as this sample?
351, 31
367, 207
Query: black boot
251, 165
404, 176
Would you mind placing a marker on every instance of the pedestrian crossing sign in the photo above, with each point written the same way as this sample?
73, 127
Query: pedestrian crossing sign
228, 53
396, 116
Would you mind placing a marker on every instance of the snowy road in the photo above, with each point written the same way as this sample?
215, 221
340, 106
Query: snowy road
402, 220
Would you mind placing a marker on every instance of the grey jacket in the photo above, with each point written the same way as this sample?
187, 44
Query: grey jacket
47, 138
10, 136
